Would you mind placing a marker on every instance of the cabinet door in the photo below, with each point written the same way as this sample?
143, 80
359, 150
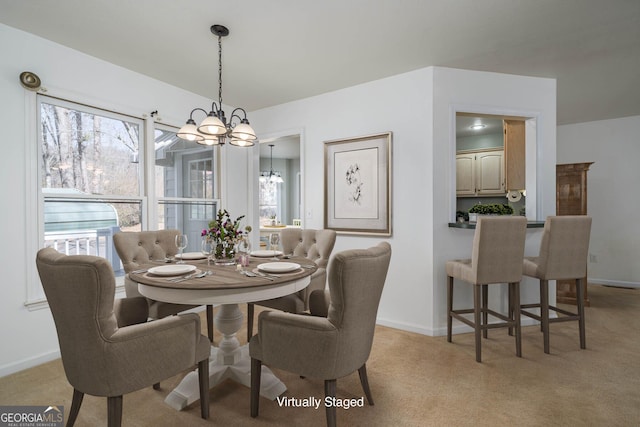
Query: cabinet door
514, 154
465, 175
490, 173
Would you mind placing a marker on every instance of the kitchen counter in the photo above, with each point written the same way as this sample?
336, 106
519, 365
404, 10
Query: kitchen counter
472, 225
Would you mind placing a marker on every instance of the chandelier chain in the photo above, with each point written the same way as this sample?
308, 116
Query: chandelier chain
220, 71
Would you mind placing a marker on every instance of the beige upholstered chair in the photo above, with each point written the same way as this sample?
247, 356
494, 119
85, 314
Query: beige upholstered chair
137, 248
108, 348
313, 244
496, 257
326, 347
563, 255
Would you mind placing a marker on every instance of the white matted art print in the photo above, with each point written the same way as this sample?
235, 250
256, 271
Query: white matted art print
358, 185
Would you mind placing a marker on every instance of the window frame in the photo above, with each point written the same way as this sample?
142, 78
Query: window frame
35, 199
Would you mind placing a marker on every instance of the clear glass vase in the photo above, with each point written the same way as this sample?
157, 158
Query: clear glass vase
224, 253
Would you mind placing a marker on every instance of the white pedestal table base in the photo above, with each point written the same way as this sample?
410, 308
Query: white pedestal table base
229, 360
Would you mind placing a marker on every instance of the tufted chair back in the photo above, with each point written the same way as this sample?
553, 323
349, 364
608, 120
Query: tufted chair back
137, 248
313, 244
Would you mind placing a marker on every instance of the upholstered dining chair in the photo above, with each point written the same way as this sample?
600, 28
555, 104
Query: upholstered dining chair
108, 348
315, 245
563, 255
137, 248
329, 347
496, 257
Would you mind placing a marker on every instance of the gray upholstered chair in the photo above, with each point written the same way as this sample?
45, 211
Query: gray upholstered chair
326, 347
563, 255
496, 257
313, 244
108, 348
137, 248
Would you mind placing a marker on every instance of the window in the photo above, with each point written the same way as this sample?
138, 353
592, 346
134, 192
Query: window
90, 177
269, 201
93, 181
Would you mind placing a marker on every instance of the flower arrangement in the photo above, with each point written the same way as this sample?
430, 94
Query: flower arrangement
225, 233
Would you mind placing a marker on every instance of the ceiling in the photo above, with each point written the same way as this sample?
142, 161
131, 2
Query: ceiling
283, 50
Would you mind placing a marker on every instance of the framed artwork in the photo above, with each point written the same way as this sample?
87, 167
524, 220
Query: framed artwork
357, 185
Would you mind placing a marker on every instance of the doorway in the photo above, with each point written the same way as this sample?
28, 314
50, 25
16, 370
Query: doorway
280, 181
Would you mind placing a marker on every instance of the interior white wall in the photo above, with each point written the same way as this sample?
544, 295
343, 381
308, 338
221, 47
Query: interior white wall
492, 93
612, 199
418, 107
29, 337
401, 104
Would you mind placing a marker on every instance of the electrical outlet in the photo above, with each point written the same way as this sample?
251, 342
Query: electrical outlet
309, 213
593, 259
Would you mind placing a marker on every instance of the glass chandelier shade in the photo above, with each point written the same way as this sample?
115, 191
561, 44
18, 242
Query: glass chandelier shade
215, 129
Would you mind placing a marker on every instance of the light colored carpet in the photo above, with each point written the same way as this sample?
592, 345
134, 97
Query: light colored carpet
422, 381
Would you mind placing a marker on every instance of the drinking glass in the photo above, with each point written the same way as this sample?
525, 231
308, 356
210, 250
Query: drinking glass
207, 249
274, 241
244, 249
181, 242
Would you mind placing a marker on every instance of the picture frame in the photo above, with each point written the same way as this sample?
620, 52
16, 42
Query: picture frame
357, 185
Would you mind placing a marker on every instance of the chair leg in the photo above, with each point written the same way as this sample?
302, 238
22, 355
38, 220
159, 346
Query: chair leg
156, 386
542, 298
114, 411
544, 312
249, 321
485, 307
256, 370
449, 306
580, 283
210, 322
515, 287
362, 372
203, 383
476, 319
330, 391
511, 308
76, 402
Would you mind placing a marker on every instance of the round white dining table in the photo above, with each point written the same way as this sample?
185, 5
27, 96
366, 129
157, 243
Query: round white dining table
227, 287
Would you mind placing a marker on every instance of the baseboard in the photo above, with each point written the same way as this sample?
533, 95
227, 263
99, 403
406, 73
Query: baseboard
618, 283
12, 368
405, 326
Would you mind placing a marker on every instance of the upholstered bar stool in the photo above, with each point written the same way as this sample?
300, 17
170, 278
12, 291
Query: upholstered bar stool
563, 256
496, 257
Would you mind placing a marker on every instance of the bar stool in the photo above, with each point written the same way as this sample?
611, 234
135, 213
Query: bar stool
496, 257
563, 256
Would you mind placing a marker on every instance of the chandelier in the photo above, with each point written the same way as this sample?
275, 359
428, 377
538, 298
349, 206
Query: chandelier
271, 177
214, 129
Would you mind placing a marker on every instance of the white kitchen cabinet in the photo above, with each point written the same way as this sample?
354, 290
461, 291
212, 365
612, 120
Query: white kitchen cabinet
480, 173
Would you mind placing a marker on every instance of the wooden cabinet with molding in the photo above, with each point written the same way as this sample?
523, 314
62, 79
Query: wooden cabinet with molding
480, 173
571, 199
514, 154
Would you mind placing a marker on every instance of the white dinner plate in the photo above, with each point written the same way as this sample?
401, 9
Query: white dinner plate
265, 253
278, 267
172, 270
191, 255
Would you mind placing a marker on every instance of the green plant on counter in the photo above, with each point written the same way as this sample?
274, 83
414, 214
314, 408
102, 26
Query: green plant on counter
492, 209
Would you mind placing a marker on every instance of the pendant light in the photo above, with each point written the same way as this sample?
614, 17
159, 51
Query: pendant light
214, 129
272, 177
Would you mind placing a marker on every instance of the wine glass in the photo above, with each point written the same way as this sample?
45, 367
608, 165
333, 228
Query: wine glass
181, 242
207, 249
274, 241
